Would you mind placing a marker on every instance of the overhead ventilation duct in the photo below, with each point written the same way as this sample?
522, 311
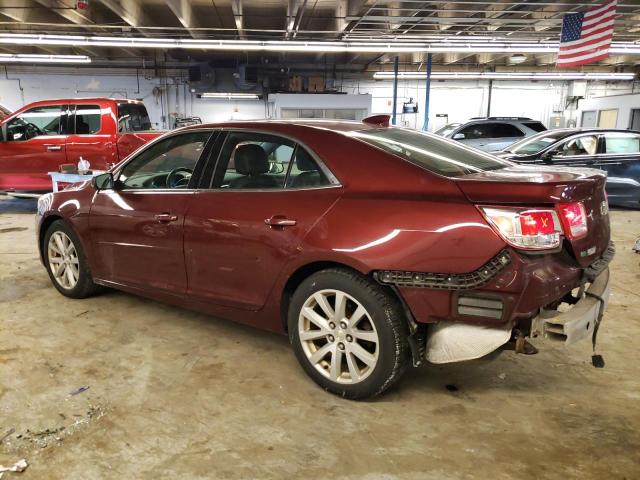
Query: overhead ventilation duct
205, 78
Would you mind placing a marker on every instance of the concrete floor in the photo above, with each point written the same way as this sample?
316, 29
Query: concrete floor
176, 394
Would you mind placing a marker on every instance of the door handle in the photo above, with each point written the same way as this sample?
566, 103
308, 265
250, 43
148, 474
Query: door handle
280, 221
54, 148
165, 217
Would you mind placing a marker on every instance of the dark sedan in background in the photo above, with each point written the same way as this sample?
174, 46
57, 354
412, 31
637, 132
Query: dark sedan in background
615, 151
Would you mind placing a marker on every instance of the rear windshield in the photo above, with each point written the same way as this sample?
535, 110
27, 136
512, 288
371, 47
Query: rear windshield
436, 154
537, 143
536, 126
133, 117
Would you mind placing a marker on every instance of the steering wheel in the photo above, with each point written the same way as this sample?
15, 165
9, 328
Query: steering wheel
179, 177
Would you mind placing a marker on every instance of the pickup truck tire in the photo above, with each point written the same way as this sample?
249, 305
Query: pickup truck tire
66, 261
348, 333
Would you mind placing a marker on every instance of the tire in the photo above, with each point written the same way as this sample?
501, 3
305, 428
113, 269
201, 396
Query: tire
360, 356
60, 234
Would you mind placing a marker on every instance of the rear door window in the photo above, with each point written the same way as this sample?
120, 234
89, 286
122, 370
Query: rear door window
253, 161
621, 143
133, 117
87, 119
501, 130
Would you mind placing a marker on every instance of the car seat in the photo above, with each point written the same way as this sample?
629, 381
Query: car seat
310, 176
251, 162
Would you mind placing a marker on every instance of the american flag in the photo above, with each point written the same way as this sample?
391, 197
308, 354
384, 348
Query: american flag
586, 36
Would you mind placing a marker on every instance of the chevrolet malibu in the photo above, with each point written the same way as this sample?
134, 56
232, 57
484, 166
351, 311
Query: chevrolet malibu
371, 247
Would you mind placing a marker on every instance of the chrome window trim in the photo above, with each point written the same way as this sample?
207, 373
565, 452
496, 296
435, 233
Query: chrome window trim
265, 190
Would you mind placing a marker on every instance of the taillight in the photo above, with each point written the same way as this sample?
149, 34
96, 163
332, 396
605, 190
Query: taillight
574, 219
531, 229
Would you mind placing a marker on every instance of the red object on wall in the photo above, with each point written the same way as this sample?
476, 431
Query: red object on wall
82, 4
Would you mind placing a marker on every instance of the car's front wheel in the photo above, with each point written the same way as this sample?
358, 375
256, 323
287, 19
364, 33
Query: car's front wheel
348, 333
66, 262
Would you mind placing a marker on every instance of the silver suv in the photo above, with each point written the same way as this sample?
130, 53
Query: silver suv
492, 133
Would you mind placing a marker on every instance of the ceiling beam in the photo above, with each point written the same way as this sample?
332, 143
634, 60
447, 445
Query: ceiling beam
73, 15
130, 11
238, 18
183, 10
295, 10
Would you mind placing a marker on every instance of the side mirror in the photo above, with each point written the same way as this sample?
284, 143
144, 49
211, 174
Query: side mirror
459, 136
103, 181
547, 156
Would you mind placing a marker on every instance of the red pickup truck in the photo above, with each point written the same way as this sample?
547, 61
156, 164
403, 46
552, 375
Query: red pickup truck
41, 136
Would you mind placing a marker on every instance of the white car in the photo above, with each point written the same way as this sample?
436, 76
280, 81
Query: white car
492, 133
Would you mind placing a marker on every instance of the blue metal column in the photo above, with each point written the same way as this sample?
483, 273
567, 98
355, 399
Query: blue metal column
395, 91
428, 92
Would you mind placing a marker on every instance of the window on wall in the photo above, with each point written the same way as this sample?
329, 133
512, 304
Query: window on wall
35, 122
329, 113
608, 118
88, 119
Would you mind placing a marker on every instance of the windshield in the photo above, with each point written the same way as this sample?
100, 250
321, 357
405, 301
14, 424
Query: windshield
436, 154
447, 129
537, 143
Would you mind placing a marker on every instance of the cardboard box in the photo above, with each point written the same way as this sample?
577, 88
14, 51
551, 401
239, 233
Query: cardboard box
295, 83
316, 84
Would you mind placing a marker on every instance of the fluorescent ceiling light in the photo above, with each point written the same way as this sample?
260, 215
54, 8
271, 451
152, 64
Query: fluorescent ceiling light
603, 76
231, 96
20, 58
464, 45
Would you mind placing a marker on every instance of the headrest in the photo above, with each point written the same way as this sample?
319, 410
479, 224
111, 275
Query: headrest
304, 162
250, 159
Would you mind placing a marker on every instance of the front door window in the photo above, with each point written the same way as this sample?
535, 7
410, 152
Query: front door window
168, 163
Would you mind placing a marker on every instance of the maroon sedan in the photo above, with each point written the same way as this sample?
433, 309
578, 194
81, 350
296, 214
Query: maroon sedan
372, 247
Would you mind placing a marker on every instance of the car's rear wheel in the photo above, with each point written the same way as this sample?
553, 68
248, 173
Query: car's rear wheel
348, 333
66, 262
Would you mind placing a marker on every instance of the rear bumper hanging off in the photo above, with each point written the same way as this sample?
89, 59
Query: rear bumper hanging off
577, 323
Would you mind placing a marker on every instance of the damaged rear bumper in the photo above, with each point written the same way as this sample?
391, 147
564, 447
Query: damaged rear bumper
580, 321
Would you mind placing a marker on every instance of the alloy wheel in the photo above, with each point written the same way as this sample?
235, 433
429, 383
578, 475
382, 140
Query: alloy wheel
338, 336
63, 260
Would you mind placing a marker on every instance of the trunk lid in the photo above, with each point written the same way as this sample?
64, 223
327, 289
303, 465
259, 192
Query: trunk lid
548, 186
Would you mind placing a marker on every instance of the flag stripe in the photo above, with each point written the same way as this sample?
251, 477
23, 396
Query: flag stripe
582, 41
596, 42
597, 10
589, 56
601, 26
576, 63
586, 37
600, 18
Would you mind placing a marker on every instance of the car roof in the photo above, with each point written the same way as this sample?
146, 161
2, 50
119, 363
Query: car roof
571, 131
340, 126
